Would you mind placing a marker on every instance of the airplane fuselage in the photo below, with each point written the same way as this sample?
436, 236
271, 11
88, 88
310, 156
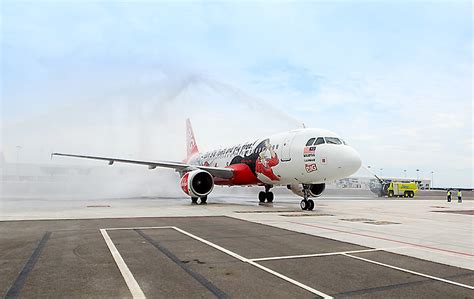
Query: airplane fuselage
303, 156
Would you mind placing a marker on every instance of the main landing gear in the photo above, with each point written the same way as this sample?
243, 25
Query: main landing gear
306, 204
194, 200
266, 195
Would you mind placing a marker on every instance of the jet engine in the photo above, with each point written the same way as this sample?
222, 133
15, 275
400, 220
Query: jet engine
315, 190
197, 183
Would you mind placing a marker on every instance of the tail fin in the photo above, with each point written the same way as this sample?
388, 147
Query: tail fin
190, 140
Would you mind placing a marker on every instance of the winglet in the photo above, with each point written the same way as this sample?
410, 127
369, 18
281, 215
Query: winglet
191, 145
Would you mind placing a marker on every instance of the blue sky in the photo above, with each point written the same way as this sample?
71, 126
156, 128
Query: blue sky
392, 77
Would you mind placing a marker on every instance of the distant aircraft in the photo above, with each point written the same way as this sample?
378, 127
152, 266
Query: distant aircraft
303, 160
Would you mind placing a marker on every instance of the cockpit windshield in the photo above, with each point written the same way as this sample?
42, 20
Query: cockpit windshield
332, 140
320, 140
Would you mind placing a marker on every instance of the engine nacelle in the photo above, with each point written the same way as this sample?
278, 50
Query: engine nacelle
197, 183
315, 190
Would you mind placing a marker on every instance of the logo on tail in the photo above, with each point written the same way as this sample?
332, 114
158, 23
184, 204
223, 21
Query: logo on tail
190, 140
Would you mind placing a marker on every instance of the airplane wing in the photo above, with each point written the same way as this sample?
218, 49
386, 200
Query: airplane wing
225, 173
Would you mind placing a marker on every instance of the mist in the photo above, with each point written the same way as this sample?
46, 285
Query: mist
141, 118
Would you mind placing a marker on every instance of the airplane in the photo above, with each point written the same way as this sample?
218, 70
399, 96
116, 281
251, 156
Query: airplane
303, 160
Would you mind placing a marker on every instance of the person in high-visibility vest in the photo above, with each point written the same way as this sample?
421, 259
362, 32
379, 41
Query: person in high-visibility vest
459, 196
448, 195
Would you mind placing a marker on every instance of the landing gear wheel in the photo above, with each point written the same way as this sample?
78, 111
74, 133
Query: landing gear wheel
269, 196
262, 196
194, 200
310, 204
204, 200
304, 204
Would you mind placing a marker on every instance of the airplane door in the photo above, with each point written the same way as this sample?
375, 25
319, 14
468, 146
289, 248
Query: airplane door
286, 147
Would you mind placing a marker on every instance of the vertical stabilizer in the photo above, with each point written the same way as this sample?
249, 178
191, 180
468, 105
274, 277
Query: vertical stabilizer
191, 145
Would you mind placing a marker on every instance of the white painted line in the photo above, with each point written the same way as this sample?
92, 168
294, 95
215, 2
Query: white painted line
411, 272
233, 254
140, 228
312, 255
245, 260
297, 283
127, 275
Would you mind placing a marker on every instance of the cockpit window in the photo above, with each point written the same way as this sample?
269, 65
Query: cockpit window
310, 142
344, 142
320, 140
332, 140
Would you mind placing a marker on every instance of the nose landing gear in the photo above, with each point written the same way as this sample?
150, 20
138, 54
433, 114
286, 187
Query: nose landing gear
306, 204
266, 195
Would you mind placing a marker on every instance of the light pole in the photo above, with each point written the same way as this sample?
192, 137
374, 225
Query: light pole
417, 174
432, 179
18, 148
404, 173
381, 169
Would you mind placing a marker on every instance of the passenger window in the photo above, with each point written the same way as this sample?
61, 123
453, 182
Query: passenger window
320, 140
310, 142
332, 140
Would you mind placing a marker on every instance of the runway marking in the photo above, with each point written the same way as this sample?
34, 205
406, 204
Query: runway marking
132, 284
245, 260
376, 290
16, 287
141, 228
315, 254
410, 271
382, 238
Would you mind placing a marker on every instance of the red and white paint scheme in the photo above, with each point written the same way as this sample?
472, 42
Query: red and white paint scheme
303, 160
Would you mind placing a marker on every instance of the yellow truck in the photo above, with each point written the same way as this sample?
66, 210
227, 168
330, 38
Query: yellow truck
400, 189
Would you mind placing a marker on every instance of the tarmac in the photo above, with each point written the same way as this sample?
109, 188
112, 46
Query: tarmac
350, 246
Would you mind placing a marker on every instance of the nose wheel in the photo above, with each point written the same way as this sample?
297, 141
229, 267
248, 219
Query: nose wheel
306, 204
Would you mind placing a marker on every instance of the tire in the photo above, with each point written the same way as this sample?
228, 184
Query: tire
411, 194
269, 196
194, 200
390, 193
405, 194
310, 204
304, 204
262, 196
204, 200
